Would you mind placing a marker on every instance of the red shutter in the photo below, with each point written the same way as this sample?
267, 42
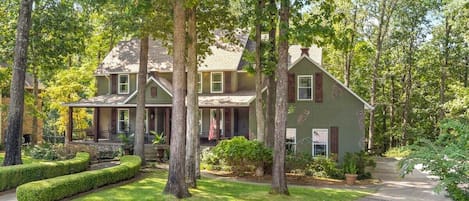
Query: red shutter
291, 88
334, 140
154, 91
113, 83
318, 97
113, 121
227, 122
227, 82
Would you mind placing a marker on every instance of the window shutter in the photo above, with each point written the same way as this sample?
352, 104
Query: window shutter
318, 95
154, 91
227, 122
227, 82
334, 140
291, 88
113, 83
113, 121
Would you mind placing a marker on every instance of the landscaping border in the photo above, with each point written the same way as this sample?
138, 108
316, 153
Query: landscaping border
13, 176
68, 185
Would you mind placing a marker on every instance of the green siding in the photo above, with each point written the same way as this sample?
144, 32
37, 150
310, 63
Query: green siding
246, 81
162, 96
102, 85
133, 83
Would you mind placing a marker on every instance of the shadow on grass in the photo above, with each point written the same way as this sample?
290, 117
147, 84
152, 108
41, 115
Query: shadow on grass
151, 187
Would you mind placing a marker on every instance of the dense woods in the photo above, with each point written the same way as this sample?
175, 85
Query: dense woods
408, 59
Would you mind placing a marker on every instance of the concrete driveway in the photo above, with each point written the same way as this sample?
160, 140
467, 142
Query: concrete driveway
414, 187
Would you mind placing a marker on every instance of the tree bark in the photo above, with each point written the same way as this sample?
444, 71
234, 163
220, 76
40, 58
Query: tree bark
443, 68
270, 79
350, 50
392, 110
192, 134
139, 144
16, 108
279, 184
34, 133
176, 184
407, 92
260, 119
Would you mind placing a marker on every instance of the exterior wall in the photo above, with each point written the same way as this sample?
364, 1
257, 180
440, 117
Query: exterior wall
339, 108
133, 82
161, 97
246, 81
206, 82
104, 123
102, 85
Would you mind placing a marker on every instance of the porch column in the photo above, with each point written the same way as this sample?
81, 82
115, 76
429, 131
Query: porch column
167, 127
68, 137
96, 124
217, 120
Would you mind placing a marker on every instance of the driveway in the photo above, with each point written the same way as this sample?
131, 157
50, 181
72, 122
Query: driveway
414, 187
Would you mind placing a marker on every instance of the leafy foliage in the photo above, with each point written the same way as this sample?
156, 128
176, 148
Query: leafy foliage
398, 152
323, 167
65, 186
47, 151
446, 158
357, 162
297, 161
241, 153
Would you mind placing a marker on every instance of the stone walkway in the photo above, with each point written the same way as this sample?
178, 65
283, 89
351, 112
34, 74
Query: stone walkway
413, 187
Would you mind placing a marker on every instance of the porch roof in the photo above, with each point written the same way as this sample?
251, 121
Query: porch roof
102, 100
237, 99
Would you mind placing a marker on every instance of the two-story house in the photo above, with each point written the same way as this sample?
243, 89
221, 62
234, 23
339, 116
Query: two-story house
325, 117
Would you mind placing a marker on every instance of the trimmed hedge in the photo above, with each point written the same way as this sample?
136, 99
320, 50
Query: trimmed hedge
13, 176
68, 185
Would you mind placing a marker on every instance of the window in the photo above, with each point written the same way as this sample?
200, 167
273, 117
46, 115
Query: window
305, 87
290, 141
199, 83
124, 84
123, 118
320, 142
216, 82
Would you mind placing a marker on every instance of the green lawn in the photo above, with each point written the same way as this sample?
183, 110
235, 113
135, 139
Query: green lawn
26, 159
152, 186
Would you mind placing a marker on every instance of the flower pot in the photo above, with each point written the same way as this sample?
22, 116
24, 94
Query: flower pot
350, 178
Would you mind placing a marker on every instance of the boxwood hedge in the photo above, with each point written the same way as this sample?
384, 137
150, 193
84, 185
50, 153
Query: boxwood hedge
68, 185
13, 176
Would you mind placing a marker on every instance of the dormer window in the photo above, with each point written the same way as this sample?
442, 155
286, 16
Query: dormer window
216, 84
123, 84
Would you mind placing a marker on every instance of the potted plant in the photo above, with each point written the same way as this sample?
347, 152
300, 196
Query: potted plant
350, 169
158, 141
128, 143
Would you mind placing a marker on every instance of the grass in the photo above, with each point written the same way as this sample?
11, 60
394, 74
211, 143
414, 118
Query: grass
151, 187
398, 152
26, 159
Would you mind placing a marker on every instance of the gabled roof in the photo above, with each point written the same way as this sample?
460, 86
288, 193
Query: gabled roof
163, 83
367, 106
124, 58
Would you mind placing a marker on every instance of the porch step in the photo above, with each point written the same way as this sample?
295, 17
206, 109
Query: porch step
150, 151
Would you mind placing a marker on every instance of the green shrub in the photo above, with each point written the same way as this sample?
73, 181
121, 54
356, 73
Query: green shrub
398, 152
59, 151
361, 161
242, 154
295, 162
209, 158
65, 186
323, 167
12, 176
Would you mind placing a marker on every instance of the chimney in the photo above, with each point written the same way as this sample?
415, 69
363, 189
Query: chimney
305, 51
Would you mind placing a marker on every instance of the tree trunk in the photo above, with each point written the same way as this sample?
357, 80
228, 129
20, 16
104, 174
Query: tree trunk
16, 108
270, 79
350, 50
279, 183
34, 133
139, 144
443, 68
192, 134
260, 119
392, 110
407, 93
176, 184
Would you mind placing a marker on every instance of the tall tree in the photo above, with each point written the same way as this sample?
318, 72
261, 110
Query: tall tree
16, 108
192, 134
140, 116
270, 75
260, 119
279, 183
176, 184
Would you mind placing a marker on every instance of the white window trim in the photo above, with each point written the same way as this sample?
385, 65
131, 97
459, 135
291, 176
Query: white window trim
211, 82
294, 141
298, 87
201, 83
327, 142
119, 120
119, 84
